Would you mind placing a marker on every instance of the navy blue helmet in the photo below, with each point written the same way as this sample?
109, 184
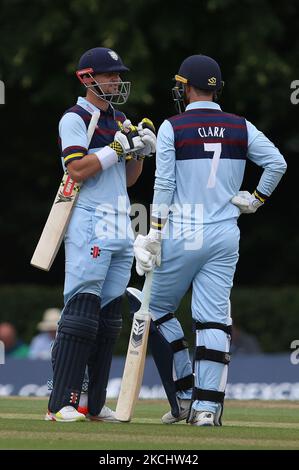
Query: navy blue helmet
101, 60
199, 71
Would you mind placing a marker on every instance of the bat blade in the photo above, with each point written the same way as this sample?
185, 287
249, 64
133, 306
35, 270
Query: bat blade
56, 225
60, 214
135, 360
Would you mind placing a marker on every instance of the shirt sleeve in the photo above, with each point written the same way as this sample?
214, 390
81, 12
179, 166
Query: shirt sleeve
73, 135
263, 153
165, 181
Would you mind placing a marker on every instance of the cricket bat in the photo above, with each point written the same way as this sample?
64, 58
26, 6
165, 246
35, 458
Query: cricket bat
135, 360
60, 214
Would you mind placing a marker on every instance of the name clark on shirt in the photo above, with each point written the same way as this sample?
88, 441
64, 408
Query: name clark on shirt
211, 131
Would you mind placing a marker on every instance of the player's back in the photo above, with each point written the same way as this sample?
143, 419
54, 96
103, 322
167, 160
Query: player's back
211, 151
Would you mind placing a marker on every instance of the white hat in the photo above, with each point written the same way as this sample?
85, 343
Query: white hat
50, 320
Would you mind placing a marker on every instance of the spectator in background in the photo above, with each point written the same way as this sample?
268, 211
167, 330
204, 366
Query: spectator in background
243, 342
14, 347
40, 346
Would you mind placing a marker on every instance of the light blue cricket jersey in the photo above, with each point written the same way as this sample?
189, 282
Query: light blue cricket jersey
201, 157
106, 192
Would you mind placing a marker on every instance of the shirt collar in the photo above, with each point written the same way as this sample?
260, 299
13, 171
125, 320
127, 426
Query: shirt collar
203, 105
91, 107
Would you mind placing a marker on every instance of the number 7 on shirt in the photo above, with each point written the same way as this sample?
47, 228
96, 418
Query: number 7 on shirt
216, 148
60, 214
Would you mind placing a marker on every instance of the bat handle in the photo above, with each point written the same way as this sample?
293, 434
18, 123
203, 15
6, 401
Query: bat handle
92, 125
147, 290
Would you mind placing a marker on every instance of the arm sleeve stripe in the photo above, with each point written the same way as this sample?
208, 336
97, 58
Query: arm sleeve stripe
261, 197
154, 224
157, 222
73, 149
73, 155
72, 160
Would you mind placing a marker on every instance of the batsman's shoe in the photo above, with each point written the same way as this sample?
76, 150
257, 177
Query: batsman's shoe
184, 405
202, 418
67, 414
106, 415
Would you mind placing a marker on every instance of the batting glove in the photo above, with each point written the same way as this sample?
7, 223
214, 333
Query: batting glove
246, 202
147, 250
147, 132
125, 126
127, 141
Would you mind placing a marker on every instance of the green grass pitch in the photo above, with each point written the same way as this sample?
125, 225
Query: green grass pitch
246, 425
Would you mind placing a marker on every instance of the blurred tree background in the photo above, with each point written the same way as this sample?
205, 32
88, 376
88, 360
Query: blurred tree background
255, 42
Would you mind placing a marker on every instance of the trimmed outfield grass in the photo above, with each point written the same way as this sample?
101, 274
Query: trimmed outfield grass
247, 425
